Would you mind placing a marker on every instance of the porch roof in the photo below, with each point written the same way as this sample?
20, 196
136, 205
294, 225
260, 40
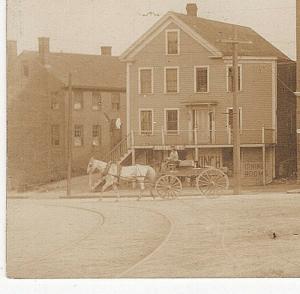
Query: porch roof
189, 103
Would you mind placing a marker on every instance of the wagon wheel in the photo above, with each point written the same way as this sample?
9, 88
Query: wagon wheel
168, 186
211, 182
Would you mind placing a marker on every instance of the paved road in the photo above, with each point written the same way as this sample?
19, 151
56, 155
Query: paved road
226, 237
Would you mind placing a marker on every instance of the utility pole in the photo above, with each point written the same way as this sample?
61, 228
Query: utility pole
236, 112
69, 135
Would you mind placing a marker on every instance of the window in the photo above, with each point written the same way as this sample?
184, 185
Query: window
146, 81
78, 99
146, 122
78, 135
55, 135
230, 118
25, 70
172, 121
115, 101
230, 78
172, 40
54, 101
171, 80
96, 135
201, 79
96, 100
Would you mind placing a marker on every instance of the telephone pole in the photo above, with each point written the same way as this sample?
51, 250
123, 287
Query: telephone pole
69, 135
236, 111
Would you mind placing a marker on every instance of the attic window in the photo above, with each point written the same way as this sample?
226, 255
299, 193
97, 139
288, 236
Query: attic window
172, 42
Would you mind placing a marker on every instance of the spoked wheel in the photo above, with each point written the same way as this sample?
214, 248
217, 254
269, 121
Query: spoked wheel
168, 186
211, 182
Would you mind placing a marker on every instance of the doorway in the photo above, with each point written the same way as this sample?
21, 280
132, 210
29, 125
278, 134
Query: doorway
203, 120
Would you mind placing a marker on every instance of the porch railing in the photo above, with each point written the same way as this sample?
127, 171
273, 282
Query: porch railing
198, 137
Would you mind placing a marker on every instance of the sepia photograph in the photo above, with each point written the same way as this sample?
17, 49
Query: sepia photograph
152, 139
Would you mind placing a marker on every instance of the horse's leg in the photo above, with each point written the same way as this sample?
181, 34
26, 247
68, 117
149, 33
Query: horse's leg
116, 190
142, 188
104, 187
90, 182
151, 191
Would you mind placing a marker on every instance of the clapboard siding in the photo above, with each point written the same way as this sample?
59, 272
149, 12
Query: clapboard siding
255, 97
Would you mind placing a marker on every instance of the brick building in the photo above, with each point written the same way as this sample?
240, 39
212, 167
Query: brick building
37, 111
179, 93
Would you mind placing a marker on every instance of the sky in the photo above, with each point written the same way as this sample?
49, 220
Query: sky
83, 26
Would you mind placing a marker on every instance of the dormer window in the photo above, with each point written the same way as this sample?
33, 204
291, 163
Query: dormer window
172, 42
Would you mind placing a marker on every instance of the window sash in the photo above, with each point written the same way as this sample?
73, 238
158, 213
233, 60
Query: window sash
96, 101
78, 99
230, 78
171, 80
146, 121
146, 81
172, 40
96, 135
78, 135
55, 135
230, 118
115, 101
172, 121
54, 103
202, 79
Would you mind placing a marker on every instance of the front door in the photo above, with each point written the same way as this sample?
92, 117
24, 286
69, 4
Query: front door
201, 121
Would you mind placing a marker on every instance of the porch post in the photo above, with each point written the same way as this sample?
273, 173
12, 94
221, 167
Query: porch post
196, 144
132, 148
132, 155
163, 136
264, 164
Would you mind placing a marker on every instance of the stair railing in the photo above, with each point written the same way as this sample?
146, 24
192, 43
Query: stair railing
119, 150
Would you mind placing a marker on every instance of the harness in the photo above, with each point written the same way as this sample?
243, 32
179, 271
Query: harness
105, 172
119, 169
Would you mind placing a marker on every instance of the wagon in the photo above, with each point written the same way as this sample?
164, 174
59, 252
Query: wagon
208, 180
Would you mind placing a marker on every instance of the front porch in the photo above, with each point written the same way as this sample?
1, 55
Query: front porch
195, 138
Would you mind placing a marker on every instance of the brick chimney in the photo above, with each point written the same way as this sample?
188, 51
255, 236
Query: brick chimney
191, 9
44, 48
106, 50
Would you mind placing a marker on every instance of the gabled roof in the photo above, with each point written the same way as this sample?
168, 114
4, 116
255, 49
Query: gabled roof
88, 71
209, 33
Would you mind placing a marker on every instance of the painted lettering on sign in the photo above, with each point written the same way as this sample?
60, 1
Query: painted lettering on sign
210, 160
253, 169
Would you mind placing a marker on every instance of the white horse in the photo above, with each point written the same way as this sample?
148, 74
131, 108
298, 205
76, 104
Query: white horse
111, 173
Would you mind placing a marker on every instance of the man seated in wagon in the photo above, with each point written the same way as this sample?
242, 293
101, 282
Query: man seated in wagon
173, 157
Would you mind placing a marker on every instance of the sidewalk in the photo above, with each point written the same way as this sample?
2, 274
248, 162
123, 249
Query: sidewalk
80, 189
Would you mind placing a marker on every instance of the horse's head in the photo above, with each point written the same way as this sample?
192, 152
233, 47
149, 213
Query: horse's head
95, 164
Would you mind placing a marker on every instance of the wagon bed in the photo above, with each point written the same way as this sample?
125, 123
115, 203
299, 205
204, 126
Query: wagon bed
208, 180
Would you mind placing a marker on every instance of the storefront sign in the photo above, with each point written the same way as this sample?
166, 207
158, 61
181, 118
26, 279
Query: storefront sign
253, 169
210, 160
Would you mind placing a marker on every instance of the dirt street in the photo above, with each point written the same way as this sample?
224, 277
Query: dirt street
231, 236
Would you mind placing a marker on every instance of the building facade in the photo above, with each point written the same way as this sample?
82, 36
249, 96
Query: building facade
179, 81
298, 85
37, 111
